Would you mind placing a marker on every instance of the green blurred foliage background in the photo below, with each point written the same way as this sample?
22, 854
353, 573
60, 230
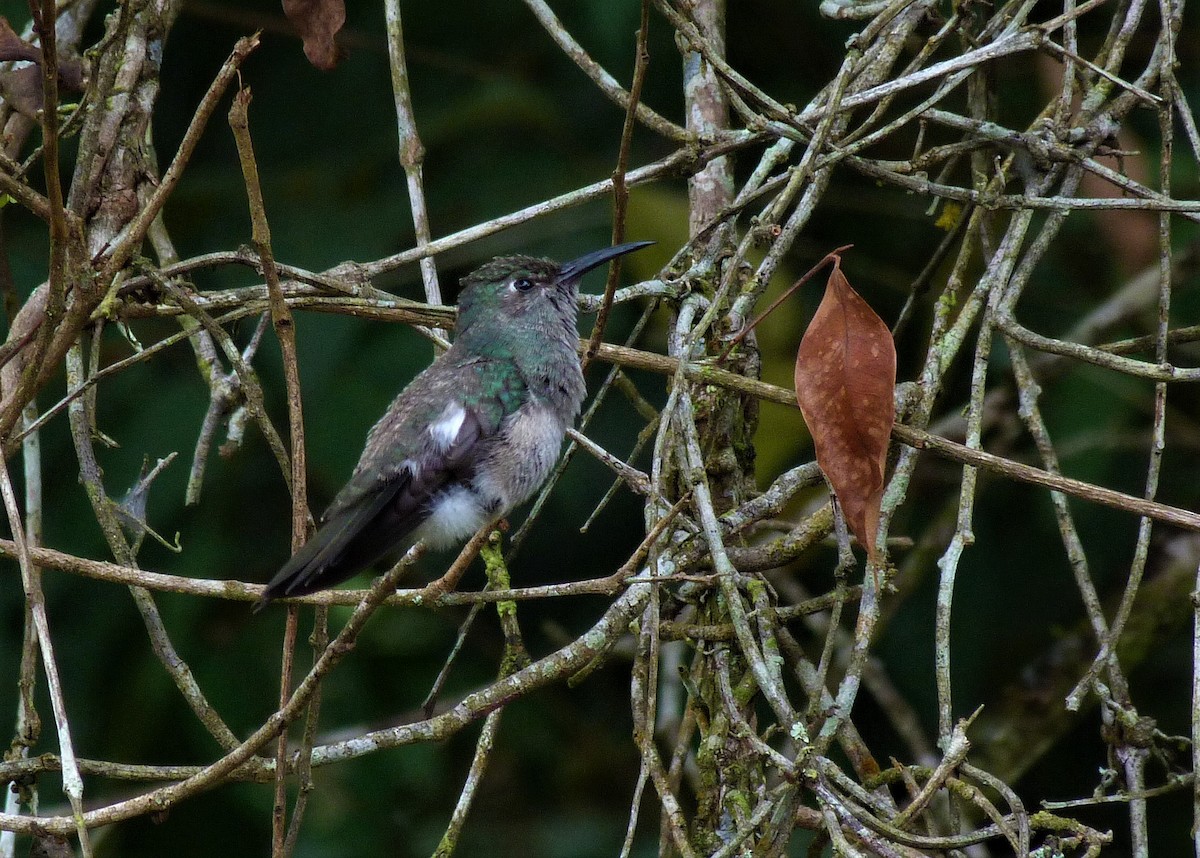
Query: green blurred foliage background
508, 121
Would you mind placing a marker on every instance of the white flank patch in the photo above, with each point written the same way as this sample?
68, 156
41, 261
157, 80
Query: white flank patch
454, 516
445, 429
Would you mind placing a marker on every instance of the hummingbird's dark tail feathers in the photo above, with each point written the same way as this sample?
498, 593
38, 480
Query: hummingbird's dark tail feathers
352, 539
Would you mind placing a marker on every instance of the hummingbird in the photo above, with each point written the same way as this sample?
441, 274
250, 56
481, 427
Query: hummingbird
472, 436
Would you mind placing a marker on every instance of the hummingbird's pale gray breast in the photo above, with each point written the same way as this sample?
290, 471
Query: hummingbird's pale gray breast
510, 470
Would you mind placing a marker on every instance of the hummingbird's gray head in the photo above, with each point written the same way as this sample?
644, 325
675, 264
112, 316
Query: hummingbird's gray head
515, 287
528, 287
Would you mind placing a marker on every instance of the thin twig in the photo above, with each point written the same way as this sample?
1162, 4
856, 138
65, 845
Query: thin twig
31, 580
620, 192
285, 330
412, 152
603, 80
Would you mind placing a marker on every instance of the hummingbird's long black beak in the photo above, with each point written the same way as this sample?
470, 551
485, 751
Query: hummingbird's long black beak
576, 268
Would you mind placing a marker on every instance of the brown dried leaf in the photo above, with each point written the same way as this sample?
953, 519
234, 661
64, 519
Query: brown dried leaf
317, 22
845, 376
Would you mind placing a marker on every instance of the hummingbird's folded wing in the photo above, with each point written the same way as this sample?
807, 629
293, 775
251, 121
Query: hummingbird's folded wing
372, 515
413, 453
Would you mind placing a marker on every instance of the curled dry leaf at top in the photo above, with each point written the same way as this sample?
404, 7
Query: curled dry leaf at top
21, 87
318, 23
845, 376
13, 47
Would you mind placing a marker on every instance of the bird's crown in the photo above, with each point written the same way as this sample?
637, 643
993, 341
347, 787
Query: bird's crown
503, 268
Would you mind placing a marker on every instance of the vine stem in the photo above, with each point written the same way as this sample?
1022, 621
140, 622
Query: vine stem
32, 582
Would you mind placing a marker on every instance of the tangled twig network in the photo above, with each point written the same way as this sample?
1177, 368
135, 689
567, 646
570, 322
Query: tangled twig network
746, 688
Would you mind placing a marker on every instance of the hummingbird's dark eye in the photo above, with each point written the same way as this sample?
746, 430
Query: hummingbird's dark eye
522, 284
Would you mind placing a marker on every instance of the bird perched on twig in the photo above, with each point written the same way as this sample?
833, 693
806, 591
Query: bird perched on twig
472, 436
